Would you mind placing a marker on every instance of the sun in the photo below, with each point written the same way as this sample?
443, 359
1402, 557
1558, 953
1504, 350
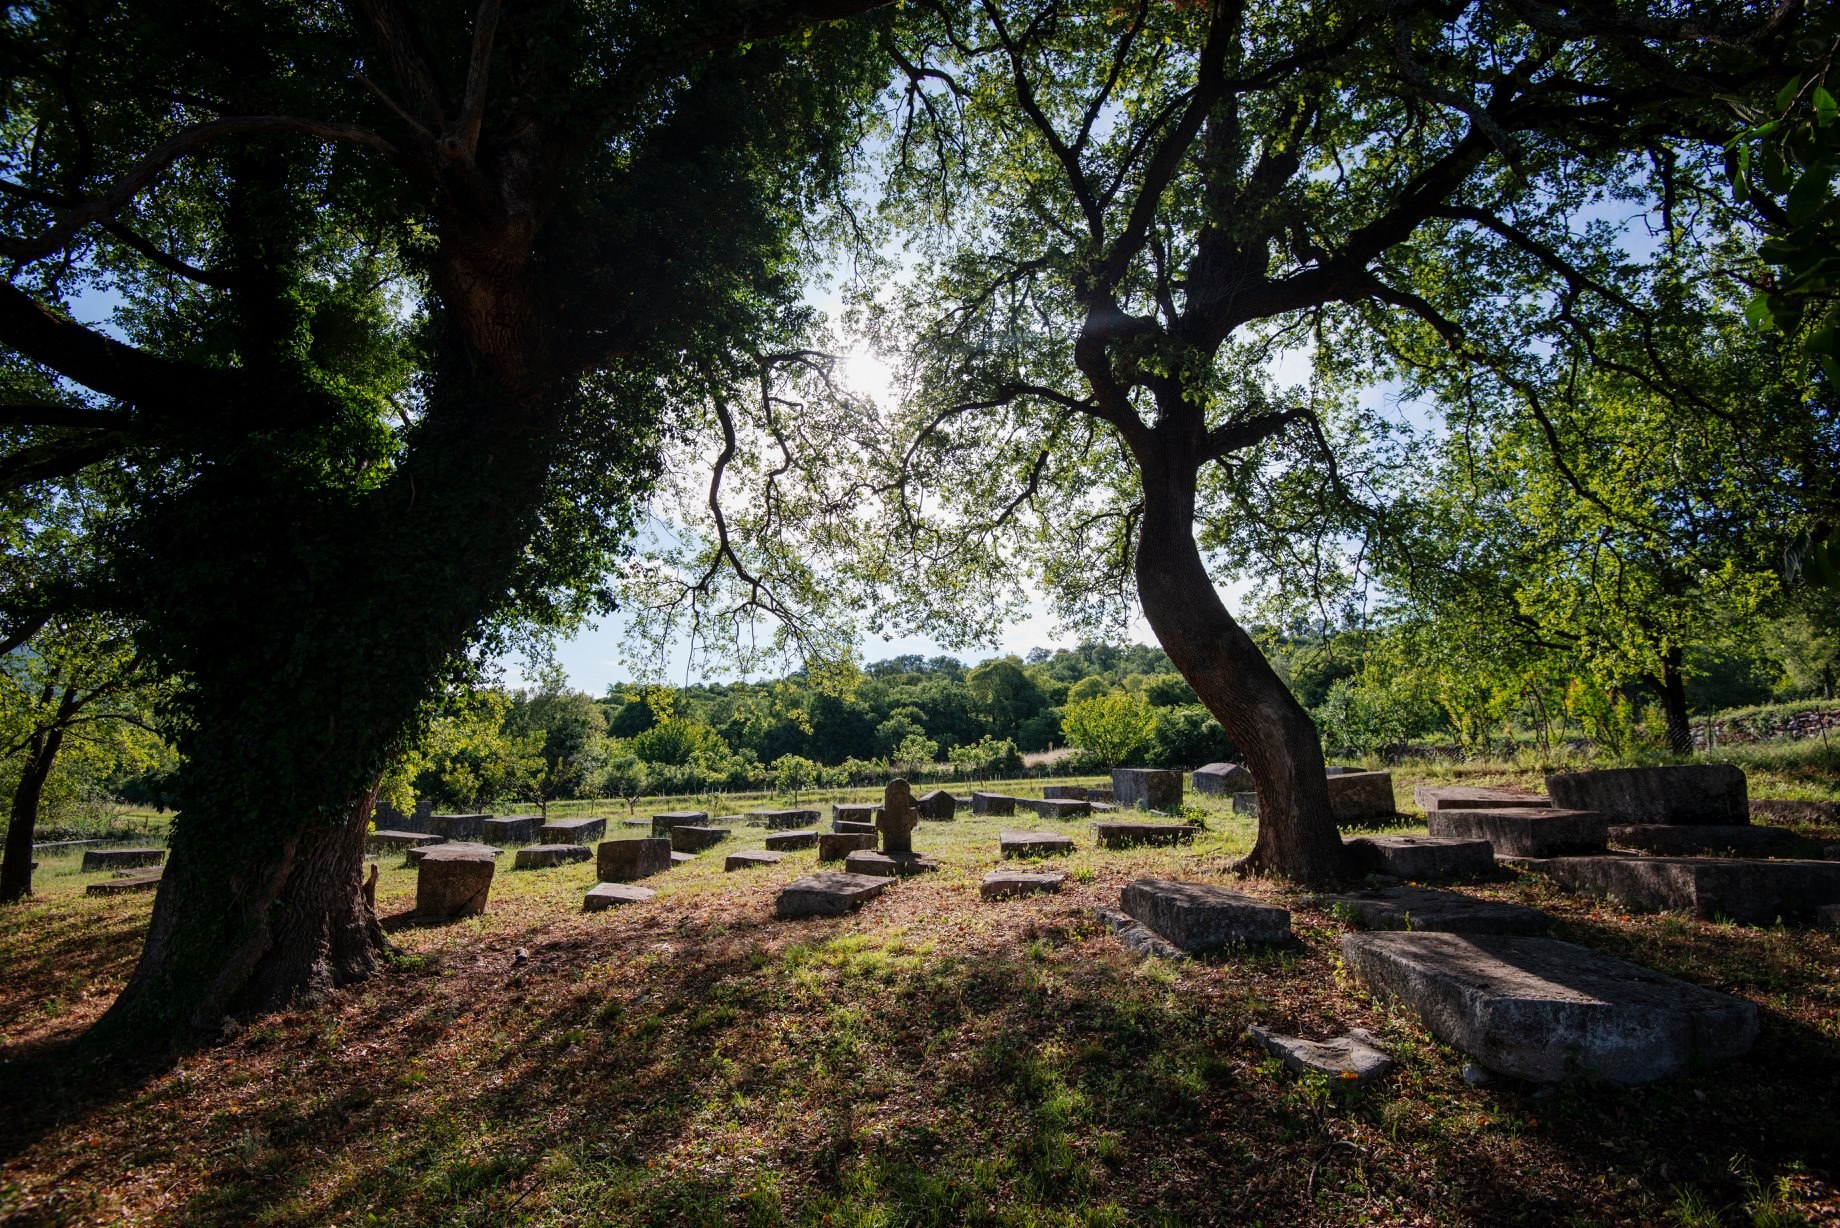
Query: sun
864, 373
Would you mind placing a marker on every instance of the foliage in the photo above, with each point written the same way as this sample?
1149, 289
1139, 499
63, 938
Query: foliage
1111, 727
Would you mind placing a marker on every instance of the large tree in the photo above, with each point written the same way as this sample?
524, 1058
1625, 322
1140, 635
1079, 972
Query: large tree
406, 287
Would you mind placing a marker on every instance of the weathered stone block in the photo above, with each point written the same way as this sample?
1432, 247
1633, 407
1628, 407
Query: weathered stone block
458, 826
1827, 916
1699, 839
122, 859
785, 841
1425, 908
1543, 1010
1138, 938
786, 820
545, 856
414, 855
1147, 788
854, 812
836, 845
1072, 792
1001, 884
1357, 798
511, 828
689, 839
1462, 797
938, 806
992, 803
883, 865
572, 831
1058, 807
663, 823
1114, 834
452, 882
750, 859
681, 859
1033, 843
1421, 857
381, 841
1685, 793
625, 861
1530, 832
1222, 779
1754, 892
828, 894
1246, 803
1355, 1057
1203, 917
611, 895
853, 825
126, 884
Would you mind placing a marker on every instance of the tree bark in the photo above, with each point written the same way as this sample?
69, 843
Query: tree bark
1297, 837
22, 823
1672, 686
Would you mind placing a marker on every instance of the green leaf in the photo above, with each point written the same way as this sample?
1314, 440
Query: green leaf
1758, 312
1825, 109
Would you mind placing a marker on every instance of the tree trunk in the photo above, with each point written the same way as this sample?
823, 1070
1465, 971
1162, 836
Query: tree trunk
1672, 685
22, 824
1297, 837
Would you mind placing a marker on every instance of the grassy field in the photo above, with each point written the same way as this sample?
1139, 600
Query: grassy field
932, 1060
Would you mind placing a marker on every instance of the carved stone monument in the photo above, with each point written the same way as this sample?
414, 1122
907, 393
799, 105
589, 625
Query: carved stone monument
898, 819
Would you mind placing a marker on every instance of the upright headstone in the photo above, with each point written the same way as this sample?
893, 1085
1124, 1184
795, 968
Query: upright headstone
898, 819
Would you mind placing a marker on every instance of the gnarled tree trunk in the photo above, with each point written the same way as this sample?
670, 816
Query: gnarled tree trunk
22, 822
1297, 837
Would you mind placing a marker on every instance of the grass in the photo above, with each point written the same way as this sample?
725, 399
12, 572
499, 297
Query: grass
932, 1060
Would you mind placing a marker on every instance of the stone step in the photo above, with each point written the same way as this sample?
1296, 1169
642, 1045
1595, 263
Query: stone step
1465, 797
1033, 843
828, 894
1203, 917
1753, 892
1002, 884
603, 896
1421, 858
1526, 831
1684, 793
1119, 834
784, 841
750, 859
1697, 839
1425, 908
546, 856
1544, 1010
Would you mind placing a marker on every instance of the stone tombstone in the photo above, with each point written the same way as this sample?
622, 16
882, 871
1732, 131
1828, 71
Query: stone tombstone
1715, 793
938, 805
623, 861
1221, 779
898, 819
1357, 798
1147, 788
992, 803
452, 882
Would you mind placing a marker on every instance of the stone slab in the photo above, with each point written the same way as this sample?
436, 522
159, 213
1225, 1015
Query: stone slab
855, 812
1684, 793
458, 826
1100, 795
1753, 892
836, 845
750, 859
1357, 798
625, 861
831, 893
1465, 797
511, 828
1701, 839
1002, 884
1059, 807
1544, 1010
573, 831
689, 839
881, 865
603, 896
1147, 789
680, 859
1138, 938
1033, 843
992, 803
663, 823
415, 855
545, 856
854, 825
126, 884
1426, 908
1203, 917
1354, 1057
937, 805
1421, 858
1525, 832
786, 820
378, 841
122, 859
452, 881
1222, 779
785, 841
1075, 793
635, 822
1118, 834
